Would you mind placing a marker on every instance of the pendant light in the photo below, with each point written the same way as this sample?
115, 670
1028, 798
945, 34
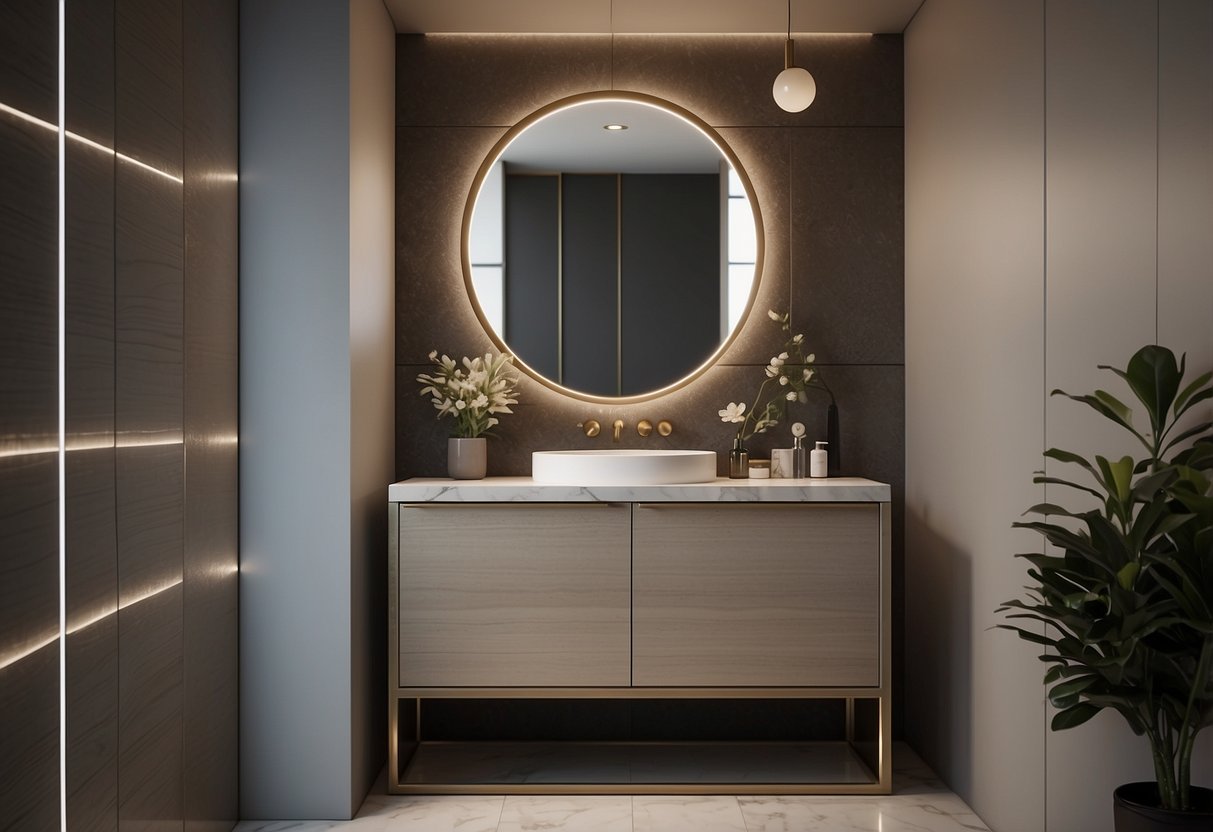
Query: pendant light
794, 88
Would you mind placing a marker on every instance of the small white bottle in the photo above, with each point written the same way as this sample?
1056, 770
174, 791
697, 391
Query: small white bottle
819, 464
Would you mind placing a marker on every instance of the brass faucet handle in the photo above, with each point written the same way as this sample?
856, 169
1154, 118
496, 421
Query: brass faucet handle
644, 427
664, 427
591, 427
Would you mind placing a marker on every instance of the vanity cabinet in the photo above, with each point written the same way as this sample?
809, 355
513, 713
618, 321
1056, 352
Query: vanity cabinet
775, 594
514, 595
505, 589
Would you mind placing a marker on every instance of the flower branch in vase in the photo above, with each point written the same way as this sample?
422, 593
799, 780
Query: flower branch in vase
788, 378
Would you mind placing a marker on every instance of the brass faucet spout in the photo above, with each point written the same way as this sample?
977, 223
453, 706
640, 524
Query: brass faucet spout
618, 426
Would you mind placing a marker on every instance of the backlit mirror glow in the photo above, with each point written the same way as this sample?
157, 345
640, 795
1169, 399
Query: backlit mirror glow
615, 264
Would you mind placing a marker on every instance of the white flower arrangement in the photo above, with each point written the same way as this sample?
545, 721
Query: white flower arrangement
791, 370
473, 394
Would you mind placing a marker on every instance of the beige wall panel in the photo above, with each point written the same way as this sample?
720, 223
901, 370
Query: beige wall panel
1185, 180
756, 595
1100, 305
1185, 209
372, 370
515, 595
974, 402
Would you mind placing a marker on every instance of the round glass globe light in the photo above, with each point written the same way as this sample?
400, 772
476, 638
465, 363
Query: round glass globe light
794, 89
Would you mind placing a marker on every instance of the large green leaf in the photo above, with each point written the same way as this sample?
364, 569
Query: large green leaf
1182, 402
1074, 716
1154, 377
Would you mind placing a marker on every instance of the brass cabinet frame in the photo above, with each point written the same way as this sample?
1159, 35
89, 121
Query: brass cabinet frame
404, 704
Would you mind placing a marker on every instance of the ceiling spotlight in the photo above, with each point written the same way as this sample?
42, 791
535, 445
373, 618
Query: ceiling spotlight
794, 88
614, 127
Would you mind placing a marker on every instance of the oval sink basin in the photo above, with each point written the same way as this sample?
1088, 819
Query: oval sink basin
623, 467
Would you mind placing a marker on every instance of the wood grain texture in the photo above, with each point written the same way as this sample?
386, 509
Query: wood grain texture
29, 604
149, 299
211, 620
92, 726
29, 724
149, 713
478, 609
92, 562
756, 595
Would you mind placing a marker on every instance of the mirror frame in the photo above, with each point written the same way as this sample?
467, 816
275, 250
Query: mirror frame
585, 98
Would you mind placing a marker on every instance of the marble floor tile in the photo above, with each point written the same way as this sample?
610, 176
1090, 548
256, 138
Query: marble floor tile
920, 803
402, 813
527, 813
686, 813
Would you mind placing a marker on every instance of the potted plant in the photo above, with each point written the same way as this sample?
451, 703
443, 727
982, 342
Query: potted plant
1126, 592
473, 392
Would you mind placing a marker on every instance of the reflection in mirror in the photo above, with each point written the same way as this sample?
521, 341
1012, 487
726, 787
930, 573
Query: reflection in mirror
612, 246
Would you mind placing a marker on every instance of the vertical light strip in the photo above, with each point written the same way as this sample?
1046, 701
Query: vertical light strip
62, 429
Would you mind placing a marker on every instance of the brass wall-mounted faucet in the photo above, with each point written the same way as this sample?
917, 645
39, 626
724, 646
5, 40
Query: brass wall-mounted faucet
592, 427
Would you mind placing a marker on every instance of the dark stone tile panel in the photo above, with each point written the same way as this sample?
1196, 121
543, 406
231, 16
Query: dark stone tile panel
435, 168
764, 155
848, 243
465, 80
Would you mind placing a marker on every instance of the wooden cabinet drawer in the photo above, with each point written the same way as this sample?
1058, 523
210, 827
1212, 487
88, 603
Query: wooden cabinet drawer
525, 595
756, 595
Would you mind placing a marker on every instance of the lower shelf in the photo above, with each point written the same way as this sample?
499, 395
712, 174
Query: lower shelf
636, 768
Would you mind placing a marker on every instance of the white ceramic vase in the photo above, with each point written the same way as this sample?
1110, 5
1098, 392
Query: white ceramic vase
466, 459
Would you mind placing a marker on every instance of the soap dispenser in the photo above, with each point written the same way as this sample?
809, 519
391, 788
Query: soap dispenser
819, 465
798, 454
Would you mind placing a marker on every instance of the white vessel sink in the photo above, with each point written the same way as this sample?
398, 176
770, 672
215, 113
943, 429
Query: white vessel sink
623, 467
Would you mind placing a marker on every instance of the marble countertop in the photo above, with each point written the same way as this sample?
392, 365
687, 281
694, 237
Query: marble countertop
720, 490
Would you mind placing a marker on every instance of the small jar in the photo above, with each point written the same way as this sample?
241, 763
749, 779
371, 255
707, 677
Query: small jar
760, 469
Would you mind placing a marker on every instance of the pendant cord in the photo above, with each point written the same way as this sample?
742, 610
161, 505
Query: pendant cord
611, 25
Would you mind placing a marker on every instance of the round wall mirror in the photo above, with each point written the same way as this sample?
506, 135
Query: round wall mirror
612, 244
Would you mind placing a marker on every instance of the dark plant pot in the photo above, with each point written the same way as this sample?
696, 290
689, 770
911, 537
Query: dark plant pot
1136, 809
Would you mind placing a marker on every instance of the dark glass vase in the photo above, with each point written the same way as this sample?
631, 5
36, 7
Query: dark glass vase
739, 461
834, 459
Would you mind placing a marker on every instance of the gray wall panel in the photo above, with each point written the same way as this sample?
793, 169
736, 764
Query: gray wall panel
294, 426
